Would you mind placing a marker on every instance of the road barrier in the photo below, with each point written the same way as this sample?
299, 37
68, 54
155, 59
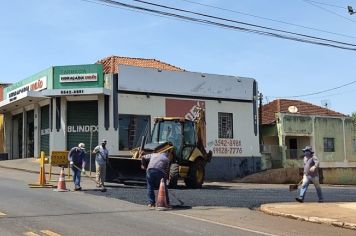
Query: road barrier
42, 178
59, 158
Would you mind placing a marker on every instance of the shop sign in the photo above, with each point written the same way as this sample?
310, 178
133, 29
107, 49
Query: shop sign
45, 131
72, 91
183, 108
36, 85
70, 78
82, 128
226, 146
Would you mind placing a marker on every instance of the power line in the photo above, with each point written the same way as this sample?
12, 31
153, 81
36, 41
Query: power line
327, 4
239, 22
265, 18
313, 40
315, 93
324, 9
333, 95
132, 10
302, 38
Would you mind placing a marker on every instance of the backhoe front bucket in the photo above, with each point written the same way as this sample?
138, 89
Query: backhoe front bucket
121, 169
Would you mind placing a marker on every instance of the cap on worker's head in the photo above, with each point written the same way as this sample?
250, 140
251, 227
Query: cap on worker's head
81, 146
103, 141
308, 148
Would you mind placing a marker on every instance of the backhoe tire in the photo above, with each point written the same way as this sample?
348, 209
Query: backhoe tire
196, 174
173, 175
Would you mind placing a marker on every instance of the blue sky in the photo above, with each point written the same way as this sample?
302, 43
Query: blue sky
37, 34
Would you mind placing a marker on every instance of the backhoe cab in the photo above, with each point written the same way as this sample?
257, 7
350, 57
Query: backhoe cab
183, 139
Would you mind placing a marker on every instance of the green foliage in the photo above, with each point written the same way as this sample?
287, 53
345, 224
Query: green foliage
353, 116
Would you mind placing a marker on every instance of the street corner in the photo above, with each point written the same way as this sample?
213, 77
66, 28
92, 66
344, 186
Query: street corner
283, 209
301, 210
336, 214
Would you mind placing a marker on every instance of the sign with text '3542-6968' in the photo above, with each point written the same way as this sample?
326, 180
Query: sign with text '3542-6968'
69, 78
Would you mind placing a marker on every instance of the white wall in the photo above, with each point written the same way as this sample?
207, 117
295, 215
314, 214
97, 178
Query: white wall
111, 135
243, 128
142, 105
243, 122
58, 139
150, 80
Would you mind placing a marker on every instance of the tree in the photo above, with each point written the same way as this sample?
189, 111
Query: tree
353, 117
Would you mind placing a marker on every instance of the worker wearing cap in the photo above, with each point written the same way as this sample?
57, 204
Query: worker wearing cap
76, 157
311, 175
101, 157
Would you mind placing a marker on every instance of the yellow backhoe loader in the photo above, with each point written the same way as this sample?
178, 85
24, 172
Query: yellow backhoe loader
182, 138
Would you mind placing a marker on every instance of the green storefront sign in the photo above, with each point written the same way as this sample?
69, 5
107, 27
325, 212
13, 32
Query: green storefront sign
78, 76
41, 80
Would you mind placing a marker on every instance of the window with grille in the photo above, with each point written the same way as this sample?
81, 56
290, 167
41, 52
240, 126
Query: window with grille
225, 125
329, 145
131, 130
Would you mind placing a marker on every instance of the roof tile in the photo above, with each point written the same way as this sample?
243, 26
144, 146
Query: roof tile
111, 64
304, 108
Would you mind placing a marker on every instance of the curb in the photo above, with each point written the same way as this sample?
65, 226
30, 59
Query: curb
19, 169
25, 170
266, 209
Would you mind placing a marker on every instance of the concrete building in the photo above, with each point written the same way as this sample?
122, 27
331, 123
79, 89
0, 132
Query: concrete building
117, 99
3, 154
290, 125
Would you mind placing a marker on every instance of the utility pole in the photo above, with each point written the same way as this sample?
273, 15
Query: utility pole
260, 96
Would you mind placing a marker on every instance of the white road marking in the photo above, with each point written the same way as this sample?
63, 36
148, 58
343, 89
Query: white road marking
30, 234
50, 233
222, 224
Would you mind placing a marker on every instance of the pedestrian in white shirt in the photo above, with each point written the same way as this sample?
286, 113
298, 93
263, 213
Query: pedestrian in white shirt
101, 157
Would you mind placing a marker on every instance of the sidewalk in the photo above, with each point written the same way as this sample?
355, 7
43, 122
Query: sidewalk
32, 165
339, 214
336, 213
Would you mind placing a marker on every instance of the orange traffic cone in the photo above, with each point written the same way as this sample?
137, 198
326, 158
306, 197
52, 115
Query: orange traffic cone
61, 187
161, 203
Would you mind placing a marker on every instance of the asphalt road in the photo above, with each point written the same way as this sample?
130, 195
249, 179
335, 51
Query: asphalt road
35, 211
45, 212
234, 195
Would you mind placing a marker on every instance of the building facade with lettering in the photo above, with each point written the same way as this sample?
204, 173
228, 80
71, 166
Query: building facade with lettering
118, 98
290, 125
49, 110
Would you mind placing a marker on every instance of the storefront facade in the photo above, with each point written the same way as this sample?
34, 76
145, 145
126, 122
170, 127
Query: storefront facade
62, 106
53, 110
229, 103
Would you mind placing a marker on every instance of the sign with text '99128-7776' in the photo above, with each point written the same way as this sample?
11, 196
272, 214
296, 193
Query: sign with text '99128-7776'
69, 78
